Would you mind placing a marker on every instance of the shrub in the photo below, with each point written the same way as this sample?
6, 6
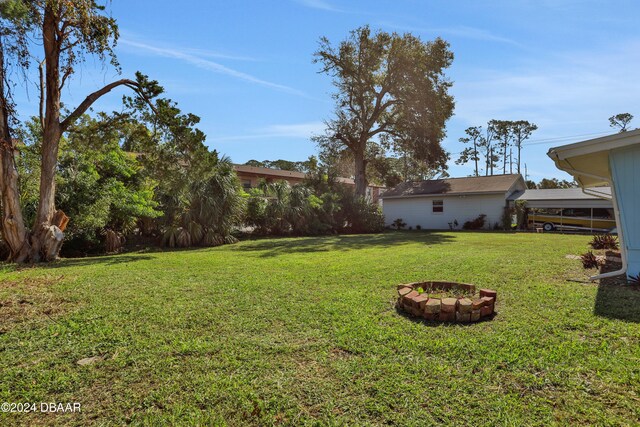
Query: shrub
453, 225
362, 216
604, 241
475, 224
418, 227
589, 260
398, 224
506, 220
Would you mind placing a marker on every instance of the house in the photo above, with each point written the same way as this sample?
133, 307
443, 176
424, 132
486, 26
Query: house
436, 203
613, 161
250, 176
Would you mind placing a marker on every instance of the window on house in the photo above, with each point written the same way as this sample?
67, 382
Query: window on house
438, 206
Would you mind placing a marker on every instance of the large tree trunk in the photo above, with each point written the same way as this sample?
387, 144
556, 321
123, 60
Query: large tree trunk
46, 239
13, 228
360, 173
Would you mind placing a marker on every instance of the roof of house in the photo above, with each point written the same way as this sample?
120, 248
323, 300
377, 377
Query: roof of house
588, 161
288, 174
268, 171
454, 186
560, 194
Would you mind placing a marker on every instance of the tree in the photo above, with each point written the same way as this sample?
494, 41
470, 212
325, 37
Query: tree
68, 31
521, 130
620, 121
551, 183
503, 131
392, 91
472, 153
14, 24
485, 144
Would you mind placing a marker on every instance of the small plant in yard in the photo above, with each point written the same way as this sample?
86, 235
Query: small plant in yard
604, 241
475, 224
453, 225
399, 224
589, 260
634, 280
418, 227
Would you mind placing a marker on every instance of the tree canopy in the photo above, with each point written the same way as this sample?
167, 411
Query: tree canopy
391, 92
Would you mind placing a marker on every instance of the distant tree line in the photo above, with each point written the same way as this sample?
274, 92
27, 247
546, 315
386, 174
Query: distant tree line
285, 165
551, 183
491, 149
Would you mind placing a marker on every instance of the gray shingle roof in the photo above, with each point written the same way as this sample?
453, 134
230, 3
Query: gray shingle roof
470, 185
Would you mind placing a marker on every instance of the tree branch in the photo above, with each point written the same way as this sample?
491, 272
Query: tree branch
41, 71
93, 97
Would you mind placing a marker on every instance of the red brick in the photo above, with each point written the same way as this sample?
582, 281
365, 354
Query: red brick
486, 311
430, 316
448, 305
475, 315
406, 300
477, 304
420, 301
432, 306
404, 291
464, 305
488, 300
488, 293
447, 317
463, 317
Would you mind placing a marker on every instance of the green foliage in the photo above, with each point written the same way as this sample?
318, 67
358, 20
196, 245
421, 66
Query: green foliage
99, 185
604, 241
392, 95
475, 224
281, 164
505, 220
620, 121
398, 224
553, 183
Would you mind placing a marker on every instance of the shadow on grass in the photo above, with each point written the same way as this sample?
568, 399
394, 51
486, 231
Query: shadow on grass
271, 247
621, 302
99, 260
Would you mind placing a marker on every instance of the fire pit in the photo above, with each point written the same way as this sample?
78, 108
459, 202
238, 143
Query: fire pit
446, 301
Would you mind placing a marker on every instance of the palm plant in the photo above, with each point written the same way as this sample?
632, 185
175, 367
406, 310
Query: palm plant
207, 210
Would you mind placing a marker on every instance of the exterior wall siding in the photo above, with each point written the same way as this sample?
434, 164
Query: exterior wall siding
418, 210
625, 171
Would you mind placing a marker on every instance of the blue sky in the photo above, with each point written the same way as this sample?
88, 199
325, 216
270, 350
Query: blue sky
245, 67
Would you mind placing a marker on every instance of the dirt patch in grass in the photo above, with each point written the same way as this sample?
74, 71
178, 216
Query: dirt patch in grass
30, 299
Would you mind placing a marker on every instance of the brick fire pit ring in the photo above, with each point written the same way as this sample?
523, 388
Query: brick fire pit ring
446, 301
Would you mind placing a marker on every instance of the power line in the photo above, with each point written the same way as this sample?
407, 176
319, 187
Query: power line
562, 138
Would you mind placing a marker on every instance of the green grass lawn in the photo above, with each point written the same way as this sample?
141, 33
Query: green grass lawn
304, 332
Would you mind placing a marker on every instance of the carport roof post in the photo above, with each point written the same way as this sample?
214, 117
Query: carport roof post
592, 164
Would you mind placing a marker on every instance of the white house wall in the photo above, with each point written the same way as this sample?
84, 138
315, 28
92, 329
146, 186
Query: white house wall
419, 210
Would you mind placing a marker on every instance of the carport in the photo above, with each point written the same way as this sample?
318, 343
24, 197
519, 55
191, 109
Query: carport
613, 161
565, 198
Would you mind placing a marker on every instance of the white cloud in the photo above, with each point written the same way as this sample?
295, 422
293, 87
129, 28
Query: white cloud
296, 130
318, 4
457, 31
207, 64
